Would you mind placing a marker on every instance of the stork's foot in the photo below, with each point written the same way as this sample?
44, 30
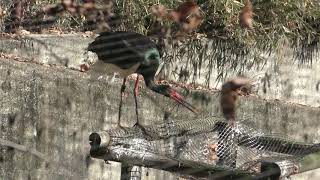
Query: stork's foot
143, 129
122, 128
123, 87
125, 129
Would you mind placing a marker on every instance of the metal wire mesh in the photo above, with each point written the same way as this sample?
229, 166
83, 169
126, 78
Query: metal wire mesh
205, 145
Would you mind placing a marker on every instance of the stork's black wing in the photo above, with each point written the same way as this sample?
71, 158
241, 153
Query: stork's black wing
124, 49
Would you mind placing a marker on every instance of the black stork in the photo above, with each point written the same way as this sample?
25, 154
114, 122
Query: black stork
127, 53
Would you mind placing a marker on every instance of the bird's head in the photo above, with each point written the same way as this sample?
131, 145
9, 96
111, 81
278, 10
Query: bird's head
152, 55
237, 83
167, 91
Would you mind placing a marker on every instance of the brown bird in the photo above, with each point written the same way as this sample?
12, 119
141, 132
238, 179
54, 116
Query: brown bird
53, 10
159, 11
229, 94
245, 16
59, 8
187, 15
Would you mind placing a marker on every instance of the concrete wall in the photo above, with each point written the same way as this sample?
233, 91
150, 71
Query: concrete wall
54, 109
278, 75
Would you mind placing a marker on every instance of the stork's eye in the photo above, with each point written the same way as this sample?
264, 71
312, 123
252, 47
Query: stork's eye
153, 56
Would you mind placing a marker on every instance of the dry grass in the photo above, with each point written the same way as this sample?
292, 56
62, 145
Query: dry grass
298, 21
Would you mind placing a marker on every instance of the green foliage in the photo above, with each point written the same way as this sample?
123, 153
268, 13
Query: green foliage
295, 20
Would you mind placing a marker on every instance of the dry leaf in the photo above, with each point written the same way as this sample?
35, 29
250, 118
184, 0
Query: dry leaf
159, 11
188, 15
245, 17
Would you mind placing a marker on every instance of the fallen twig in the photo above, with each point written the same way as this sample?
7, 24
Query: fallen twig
23, 148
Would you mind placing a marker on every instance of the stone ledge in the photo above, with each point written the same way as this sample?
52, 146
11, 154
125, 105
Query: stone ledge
276, 79
55, 110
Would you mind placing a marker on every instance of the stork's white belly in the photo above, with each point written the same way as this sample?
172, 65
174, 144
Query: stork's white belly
102, 68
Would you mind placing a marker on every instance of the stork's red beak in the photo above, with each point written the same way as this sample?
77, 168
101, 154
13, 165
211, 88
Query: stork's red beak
179, 99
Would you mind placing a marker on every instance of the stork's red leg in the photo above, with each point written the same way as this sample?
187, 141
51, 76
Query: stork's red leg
123, 87
135, 93
136, 87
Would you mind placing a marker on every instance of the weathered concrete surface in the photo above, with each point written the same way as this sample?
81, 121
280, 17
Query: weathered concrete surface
279, 78
63, 50
53, 110
314, 174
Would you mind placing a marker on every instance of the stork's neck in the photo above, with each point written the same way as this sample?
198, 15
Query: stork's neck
151, 84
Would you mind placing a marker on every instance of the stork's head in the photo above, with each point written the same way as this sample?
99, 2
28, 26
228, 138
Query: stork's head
167, 91
151, 56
